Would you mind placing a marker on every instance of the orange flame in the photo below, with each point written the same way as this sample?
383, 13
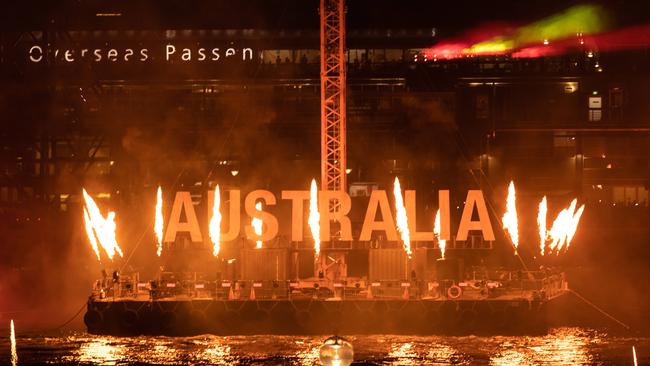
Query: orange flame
12, 336
314, 216
158, 223
436, 231
565, 226
510, 217
634, 356
257, 225
91, 234
401, 218
215, 223
102, 228
541, 224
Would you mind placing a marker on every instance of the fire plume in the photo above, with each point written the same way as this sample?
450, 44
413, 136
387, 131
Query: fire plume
158, 223
103, 229
215, 223
314, 216
91, 234
509, 219
436, 231
12, 336
541, 224
401, 218
257, 225
565, 226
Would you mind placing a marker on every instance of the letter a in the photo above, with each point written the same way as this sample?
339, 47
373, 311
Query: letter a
475, 198
183, 202
378, 199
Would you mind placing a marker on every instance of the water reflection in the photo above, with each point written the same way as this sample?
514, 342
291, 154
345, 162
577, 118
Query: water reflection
565, 346
510, 355
441, 354
101, 350
403, 354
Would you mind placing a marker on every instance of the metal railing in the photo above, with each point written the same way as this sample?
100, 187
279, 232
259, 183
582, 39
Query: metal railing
526, 285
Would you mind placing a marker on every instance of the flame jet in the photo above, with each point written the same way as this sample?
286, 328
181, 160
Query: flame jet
158, 223
314, 216
12, 336
509, 219
257, 225
565, 226
215, 223
541, 224
436, 231
91, 234
401, 218
103, 228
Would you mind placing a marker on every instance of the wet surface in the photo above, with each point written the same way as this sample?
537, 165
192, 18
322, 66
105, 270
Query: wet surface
561, 346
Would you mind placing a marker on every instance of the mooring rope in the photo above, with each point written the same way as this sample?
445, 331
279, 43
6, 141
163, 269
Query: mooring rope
83, 306
608, 315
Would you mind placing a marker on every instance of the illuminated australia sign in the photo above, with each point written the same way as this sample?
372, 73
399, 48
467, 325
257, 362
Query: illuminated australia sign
183, 218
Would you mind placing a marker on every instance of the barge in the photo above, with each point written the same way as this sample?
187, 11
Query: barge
184, 304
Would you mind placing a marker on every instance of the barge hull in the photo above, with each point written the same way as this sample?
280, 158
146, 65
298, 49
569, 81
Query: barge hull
246, 317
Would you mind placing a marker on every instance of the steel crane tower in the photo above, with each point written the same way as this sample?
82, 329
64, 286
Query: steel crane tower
332, 97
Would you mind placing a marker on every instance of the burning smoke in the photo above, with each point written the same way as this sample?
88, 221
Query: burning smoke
158, 223
12, 336
215, 223
257, 225
541, 223
401, 218
101, 230
436, 231
510, 217
314, 216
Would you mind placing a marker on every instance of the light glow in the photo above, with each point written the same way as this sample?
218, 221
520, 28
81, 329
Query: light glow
442, 244
158, 222
564, 227
314, 216
215, 223
103, 229
509, 219
257, 225
401, 218
541, 224
14, 352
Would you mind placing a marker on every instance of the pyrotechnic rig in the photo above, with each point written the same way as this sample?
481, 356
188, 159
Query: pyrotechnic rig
405, 290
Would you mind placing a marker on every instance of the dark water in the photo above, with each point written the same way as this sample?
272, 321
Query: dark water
562, 346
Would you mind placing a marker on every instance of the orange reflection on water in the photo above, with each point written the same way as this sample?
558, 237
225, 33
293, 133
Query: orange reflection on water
564, 346
308, 356
510, 355
101, 350
403, 354
440, 354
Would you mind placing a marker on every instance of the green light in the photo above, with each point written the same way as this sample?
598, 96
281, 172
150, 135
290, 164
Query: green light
585, 19
580, 19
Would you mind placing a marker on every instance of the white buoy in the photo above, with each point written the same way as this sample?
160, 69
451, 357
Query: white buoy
336, 351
